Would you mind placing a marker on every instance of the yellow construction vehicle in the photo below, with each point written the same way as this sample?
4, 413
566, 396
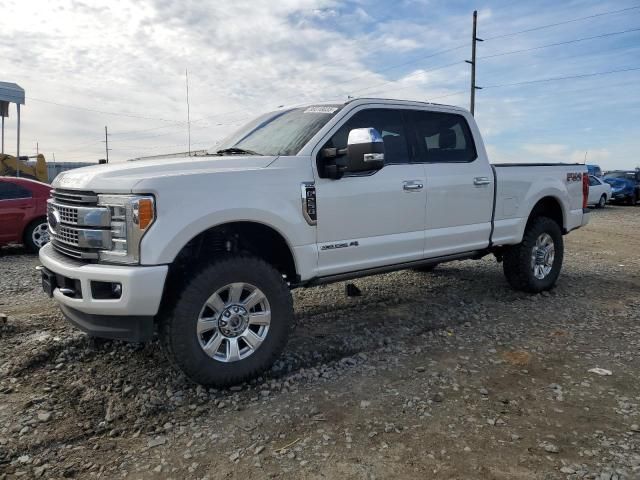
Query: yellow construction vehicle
9, 166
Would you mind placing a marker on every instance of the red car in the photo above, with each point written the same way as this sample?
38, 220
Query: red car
23, 212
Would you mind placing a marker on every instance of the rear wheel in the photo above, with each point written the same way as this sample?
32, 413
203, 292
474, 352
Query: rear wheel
602, 202
36, 235
229, 323
534, 265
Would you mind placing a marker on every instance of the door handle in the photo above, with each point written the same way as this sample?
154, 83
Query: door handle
479, 181
412, 185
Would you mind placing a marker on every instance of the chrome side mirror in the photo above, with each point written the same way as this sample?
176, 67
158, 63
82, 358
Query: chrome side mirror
365, 150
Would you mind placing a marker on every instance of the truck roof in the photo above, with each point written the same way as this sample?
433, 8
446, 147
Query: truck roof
365, 100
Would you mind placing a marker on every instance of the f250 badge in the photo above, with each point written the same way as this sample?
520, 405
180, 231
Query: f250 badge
574, 177
333, 246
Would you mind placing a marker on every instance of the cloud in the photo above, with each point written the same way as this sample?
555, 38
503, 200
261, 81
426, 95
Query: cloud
248, 57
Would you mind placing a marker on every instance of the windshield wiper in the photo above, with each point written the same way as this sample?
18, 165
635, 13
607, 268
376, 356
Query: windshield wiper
236, 151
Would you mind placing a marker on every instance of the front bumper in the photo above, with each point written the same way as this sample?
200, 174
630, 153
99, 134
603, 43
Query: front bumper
142, 289
129, 329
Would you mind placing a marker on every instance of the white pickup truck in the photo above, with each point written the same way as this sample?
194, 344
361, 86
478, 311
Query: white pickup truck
205, 250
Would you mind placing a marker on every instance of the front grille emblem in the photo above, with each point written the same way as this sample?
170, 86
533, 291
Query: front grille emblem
54, 219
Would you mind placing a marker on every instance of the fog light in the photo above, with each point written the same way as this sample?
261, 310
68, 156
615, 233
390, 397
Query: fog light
106, 290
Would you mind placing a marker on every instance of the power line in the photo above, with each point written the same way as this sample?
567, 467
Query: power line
459, 92
566, 77
549, 25
129, 115
567, 42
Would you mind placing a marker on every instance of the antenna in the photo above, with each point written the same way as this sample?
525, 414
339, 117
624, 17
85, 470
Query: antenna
186, 77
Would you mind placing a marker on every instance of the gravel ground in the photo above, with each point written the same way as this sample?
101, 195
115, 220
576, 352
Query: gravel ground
447, 374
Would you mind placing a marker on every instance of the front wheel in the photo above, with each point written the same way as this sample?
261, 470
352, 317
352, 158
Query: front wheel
230, 322
602, 202
633, 199
534, 264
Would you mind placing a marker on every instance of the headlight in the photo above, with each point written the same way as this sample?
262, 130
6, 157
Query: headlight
131, 217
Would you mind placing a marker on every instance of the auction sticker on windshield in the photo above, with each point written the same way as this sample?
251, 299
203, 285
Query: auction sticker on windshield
321, 109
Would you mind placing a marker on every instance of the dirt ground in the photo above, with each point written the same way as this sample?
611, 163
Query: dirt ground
447, 374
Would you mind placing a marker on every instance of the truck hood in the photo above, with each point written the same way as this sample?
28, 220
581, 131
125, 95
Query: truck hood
122, 177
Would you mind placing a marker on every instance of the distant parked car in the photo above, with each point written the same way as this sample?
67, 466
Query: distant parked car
625, 186
599, 192
594, 170
23, 212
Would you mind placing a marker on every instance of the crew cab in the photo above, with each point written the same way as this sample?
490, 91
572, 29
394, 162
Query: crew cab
23, 212
205, 250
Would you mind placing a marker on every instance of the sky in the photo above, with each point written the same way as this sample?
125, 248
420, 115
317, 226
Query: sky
121, 63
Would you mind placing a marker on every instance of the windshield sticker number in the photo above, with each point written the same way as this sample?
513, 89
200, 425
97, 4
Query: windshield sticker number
320, 109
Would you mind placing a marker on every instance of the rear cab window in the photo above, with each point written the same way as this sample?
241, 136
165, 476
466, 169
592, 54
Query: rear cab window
442, 137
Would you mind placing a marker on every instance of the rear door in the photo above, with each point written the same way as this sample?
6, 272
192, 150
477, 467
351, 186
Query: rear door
459, 184
15, 207
371, 219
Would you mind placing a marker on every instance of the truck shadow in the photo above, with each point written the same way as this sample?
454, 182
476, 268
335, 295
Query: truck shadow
15, 251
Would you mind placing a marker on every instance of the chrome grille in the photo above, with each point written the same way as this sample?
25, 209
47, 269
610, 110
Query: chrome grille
67, 235
78, 227
68, 214
74, 198
73, 252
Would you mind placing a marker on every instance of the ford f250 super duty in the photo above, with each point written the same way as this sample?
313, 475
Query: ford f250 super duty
205, 250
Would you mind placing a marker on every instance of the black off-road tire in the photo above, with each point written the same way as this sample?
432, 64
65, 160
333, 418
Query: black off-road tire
517, 258
177, 326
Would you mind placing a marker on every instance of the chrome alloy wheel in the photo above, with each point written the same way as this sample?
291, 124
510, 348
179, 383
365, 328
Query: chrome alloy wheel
542, 256
234, 322
40, 235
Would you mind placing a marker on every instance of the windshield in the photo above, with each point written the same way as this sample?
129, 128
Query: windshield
283, 132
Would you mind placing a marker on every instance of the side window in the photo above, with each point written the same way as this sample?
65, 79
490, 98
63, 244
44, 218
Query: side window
593, 181
443, 137
11, 191
388, 122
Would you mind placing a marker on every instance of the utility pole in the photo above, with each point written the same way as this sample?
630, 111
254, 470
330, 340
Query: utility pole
106, 142
37, 148
186, 76
474, 40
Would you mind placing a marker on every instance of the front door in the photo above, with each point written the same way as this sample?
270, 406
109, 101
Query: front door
371, 219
